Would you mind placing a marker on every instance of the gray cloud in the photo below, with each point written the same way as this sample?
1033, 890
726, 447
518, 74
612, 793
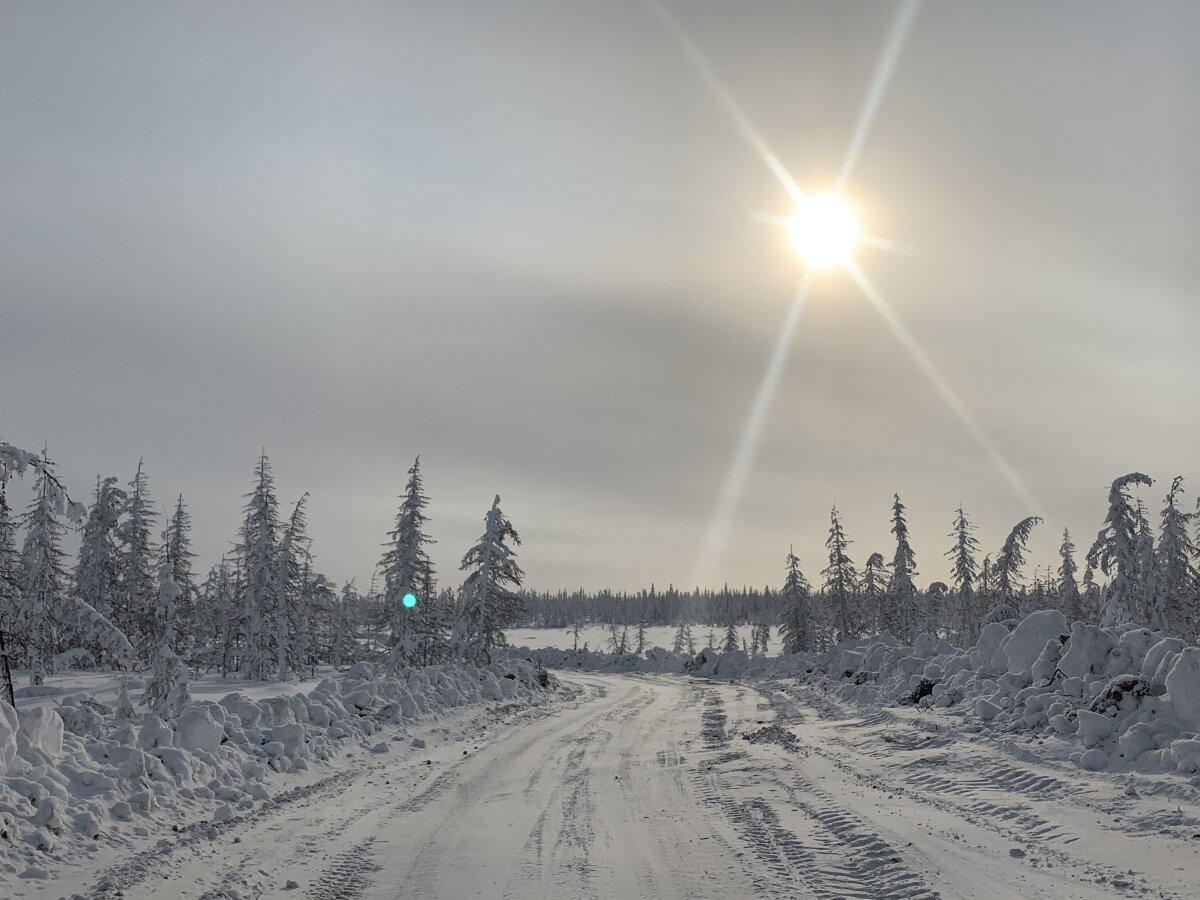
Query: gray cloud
517, 239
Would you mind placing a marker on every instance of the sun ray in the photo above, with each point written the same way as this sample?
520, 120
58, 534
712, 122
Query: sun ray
727, 101
879, 243
905, 13
717, 532
943, 387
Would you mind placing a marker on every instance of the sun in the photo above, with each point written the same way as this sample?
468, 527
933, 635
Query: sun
824, 230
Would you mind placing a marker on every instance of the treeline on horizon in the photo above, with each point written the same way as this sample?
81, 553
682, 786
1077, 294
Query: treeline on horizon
1132, 573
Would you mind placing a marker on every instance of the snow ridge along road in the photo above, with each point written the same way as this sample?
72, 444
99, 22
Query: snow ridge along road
666, 787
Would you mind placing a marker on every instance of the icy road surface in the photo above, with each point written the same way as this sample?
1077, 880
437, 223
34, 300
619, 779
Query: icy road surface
646, 787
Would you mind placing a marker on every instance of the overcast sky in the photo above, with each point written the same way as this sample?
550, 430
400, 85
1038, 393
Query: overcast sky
518, 238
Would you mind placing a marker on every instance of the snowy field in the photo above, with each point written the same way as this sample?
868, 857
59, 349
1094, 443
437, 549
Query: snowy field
598, 637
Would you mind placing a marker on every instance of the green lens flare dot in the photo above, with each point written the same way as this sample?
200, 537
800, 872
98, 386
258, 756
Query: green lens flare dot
410, 600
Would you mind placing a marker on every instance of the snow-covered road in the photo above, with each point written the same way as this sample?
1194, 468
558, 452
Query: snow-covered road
647, 787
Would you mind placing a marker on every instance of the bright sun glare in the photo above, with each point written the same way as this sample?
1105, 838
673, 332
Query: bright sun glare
823, 230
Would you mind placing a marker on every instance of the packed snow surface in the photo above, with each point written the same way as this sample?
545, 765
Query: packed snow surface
639, 786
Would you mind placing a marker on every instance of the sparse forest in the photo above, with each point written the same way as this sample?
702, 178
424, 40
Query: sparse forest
1132, 572
133, 599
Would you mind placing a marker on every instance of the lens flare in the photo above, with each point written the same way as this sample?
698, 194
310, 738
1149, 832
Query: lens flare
410, 600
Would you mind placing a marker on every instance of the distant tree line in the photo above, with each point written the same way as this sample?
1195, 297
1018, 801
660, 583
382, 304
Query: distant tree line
1132, 573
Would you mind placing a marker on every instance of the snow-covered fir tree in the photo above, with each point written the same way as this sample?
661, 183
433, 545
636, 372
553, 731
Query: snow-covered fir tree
178, 555
218, 628
764, 638
796, 627
840, 580
640, 638
256, 554
287, 587
1147, 571
963, 603
167, 687
133, 606
873, 591
901, 610
343, 648
731, 641
1006, 572
682, 641
97, 578
1069, 599
488, 601
1115, 552
407, 569
1175, 607
43, 579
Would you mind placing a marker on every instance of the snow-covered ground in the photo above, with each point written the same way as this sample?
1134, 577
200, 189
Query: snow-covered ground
661, 786
1046, 761
597, 637
90, 791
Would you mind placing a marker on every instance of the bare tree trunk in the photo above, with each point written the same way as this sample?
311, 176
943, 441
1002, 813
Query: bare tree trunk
9, 694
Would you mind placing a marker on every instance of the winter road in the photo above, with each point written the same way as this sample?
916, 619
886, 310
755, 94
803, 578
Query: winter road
664, 787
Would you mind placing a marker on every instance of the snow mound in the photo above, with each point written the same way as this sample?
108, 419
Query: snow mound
108, 775
1126, 697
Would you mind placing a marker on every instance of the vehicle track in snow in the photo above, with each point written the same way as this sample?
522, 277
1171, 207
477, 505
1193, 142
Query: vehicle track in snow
666, 788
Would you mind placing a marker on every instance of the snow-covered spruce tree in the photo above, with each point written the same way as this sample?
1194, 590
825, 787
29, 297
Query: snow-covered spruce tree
683, 638
901, 609
731, 641
133, 606
343, 649
97, 578
177, 552
43, 579
406, 569
218, 620
167, 687
1147, 571
488, 603
1091, 595
1176, 607
964, 612
764, 638
1115, 552
873, 591
840, 579
618, 640
287, 586
1069, 599
1006, 572
256, 554
438, 622
796, 621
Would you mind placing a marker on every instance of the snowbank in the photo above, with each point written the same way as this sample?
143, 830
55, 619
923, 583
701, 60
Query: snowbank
1127, 697
79, 771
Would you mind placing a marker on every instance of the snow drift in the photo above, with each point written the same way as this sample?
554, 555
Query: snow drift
82, 770
1127, 696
